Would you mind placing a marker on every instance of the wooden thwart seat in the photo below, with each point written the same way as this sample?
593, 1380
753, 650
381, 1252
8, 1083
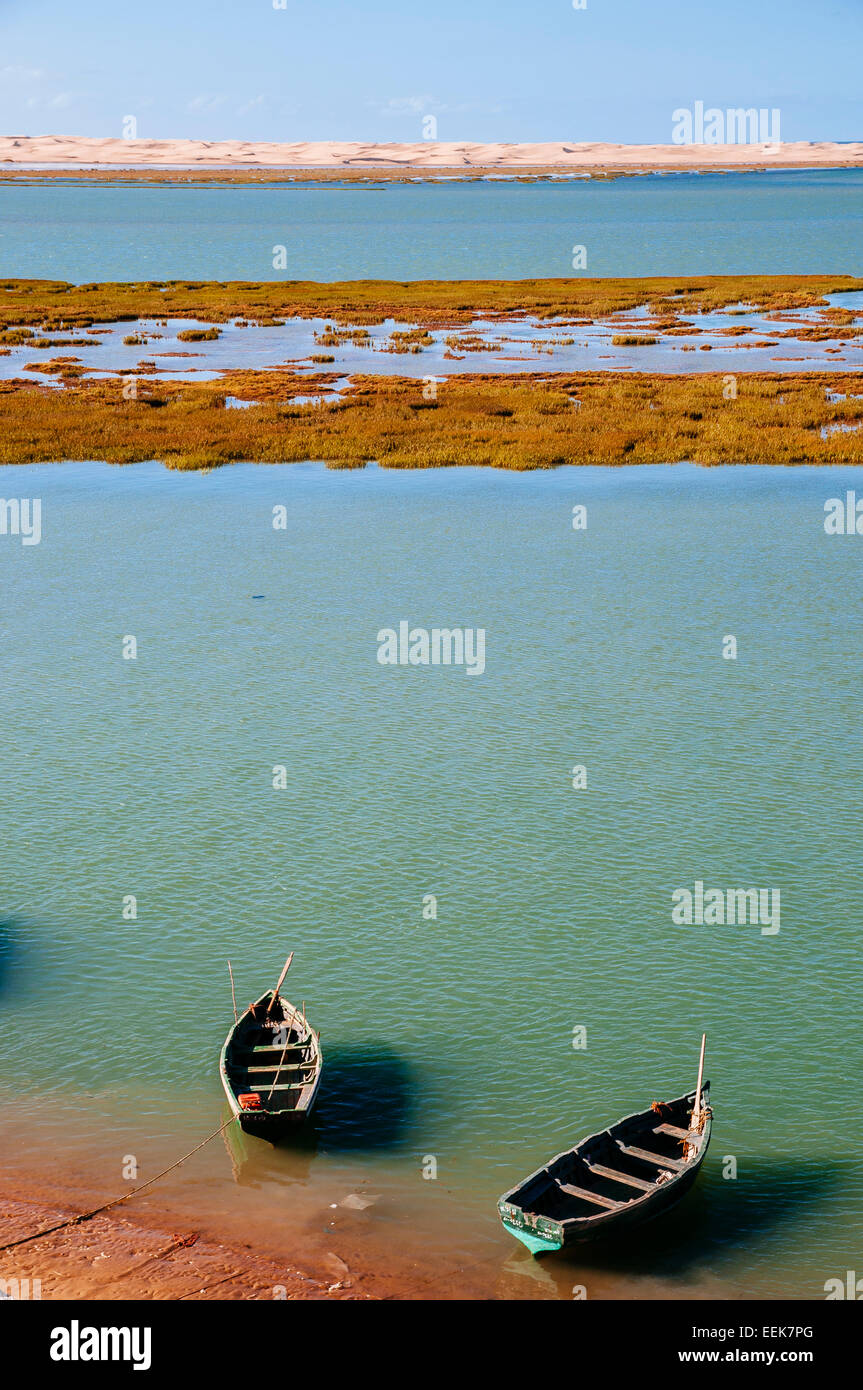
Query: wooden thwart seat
616, 1176
674, 1164
287, 1066
572, 1191
282, 1086
674, 1130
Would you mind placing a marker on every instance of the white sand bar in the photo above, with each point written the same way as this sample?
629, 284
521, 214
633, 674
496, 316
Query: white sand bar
332, 154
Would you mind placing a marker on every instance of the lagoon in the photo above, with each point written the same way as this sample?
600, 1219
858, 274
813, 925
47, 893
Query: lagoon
453, 1036
805, 221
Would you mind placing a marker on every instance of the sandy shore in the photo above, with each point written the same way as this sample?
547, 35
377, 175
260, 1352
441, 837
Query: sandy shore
75, 151
116, 1256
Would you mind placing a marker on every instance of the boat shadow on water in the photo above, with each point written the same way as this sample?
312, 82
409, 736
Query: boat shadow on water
716, 1219
366, 1103
367, 1099
10, 943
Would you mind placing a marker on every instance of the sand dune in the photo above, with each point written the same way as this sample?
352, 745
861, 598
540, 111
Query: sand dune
190, 154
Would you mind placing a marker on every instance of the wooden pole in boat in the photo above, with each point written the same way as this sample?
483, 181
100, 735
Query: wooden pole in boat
281, 1059
696, 1112
279, 984
279, 1068
233, 992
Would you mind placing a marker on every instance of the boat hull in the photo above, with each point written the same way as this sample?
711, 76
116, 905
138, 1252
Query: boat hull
265, 1052
551, 1209
616, 1223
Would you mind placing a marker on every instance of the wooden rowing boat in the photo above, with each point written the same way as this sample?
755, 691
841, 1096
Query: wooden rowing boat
638, 1168
271, 1065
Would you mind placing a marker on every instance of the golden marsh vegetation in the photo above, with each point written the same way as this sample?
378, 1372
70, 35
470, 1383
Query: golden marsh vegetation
52, 305
514, 422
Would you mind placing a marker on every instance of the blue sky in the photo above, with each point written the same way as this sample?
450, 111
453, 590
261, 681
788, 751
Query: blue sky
373, 69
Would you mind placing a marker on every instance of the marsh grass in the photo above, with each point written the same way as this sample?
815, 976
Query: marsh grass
55, 305
331, 336
516, 422
383, 173
198, 335
538, 173
408, 340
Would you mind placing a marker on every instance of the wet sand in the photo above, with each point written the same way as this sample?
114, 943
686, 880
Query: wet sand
113, 1256
141, 1251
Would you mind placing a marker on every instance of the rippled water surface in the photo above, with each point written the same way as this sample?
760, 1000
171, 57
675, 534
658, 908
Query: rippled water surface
805, 221
450, 1038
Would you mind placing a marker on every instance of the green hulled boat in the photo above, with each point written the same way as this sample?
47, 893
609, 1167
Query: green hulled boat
636, 1169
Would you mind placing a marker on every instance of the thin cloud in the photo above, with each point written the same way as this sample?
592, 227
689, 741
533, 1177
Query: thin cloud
205, 102
426, 105
16, 72
59, 101
402, 106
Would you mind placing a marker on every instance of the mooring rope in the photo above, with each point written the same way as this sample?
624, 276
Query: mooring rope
115, 1202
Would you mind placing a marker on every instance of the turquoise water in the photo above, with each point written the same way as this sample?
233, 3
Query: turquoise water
684, 224
450, 1038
